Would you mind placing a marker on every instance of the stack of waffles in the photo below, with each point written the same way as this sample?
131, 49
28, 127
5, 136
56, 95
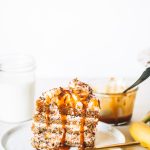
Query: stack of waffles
66, 117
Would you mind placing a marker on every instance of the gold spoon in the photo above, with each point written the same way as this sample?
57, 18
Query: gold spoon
120, 145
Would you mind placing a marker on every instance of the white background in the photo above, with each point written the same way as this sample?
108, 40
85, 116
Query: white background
77, 38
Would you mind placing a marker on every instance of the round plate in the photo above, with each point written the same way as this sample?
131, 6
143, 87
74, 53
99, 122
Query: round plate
19, 137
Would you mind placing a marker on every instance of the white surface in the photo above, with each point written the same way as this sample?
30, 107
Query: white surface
77, 38
19, 138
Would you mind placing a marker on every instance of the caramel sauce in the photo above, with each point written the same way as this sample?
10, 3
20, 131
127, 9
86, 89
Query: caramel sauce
63, 119
117, 109
47, 117
82, 124
116, 121
61, 107
47, 111
73, 103
63, 148
39, 105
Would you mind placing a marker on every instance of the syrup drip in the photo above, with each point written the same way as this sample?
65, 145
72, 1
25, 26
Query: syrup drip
47, 111
63, 119
61, 107
47, 116
73, 103
39, 105
64, 148
82, 124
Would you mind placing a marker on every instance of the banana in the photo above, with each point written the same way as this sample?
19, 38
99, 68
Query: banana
140, 131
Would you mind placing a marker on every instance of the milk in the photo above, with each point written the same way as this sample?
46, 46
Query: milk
16, 98
16, 95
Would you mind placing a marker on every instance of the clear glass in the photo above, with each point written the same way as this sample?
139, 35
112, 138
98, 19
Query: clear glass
17, 81
116, 108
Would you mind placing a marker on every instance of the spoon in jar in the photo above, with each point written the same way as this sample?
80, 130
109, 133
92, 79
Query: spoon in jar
142, 78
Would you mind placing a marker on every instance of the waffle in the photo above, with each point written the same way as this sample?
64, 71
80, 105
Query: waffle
66, 117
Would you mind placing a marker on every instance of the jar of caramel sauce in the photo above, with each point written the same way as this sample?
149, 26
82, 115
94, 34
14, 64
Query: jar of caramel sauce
116, 107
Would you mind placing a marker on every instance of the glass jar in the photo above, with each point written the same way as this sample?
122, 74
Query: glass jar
116, 107
17, 81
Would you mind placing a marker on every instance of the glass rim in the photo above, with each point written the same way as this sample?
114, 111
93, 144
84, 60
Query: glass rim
119, 93
17, 63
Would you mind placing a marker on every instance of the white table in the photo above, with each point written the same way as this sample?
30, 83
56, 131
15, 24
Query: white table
142, 105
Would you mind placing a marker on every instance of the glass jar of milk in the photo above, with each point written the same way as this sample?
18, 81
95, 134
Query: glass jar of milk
17, 81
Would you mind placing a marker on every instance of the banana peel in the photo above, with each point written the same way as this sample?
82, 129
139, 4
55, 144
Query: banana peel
140, 131
146, 119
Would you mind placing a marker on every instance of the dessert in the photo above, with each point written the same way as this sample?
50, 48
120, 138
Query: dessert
66, 117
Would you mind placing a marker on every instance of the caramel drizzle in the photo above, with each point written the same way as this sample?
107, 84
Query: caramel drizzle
82, 124
63, 119
61, 107
64, 148
63, 111
47, 109
73, 104
47, 118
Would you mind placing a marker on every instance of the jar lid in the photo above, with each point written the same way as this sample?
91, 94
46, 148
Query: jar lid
17, 63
